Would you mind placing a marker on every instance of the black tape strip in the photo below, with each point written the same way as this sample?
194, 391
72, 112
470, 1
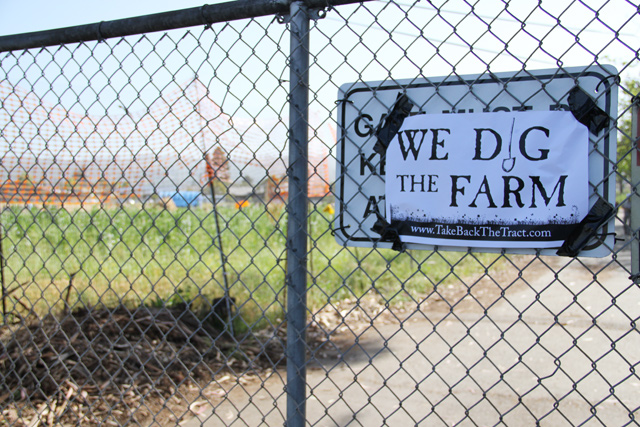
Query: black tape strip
601, 212
390, 126
388, 233
386, 131
586, 111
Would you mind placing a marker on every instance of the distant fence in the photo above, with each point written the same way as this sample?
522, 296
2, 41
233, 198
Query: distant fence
56, 156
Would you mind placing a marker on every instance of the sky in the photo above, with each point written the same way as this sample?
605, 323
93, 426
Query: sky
36, 15
244, 64
378, 44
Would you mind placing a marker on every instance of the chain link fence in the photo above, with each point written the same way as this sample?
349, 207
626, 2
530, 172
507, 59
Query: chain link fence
190, 229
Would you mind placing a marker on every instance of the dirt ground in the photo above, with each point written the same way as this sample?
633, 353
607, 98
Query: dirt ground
550, 341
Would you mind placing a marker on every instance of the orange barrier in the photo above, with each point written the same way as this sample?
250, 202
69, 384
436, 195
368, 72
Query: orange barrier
181, 141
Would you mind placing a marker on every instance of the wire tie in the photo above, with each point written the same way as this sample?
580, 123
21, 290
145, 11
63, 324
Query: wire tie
207, 24
101, 38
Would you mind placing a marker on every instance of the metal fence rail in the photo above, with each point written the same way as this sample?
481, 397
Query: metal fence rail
192, 228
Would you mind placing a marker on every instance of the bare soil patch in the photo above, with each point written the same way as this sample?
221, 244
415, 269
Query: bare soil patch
114, 366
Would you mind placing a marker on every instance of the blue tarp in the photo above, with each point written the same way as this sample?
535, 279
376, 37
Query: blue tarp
183, 199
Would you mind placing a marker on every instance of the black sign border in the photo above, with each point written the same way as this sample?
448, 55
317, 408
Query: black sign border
604, 80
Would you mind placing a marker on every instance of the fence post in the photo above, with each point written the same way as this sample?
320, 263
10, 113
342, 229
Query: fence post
297, 210
634, 221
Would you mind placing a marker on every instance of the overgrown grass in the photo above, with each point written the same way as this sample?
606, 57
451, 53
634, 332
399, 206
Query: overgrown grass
154, 256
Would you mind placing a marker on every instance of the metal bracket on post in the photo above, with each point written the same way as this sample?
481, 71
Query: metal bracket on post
314, 15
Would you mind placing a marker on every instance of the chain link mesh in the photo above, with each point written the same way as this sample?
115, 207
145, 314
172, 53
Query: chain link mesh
144, 217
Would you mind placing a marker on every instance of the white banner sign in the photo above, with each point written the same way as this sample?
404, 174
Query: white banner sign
502, 180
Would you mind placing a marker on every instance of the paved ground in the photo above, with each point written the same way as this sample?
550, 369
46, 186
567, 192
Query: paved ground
509, 356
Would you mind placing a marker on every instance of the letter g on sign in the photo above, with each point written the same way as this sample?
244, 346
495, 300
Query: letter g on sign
523, 144
363, 129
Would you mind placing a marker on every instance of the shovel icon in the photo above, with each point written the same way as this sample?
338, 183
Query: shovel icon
509, 162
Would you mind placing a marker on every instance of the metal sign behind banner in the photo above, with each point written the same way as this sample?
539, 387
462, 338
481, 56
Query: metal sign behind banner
364, 106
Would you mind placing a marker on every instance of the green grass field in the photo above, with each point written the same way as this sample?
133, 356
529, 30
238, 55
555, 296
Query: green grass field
154, 256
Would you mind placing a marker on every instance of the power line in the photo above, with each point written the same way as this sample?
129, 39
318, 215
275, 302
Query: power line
510, 20
431, 39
